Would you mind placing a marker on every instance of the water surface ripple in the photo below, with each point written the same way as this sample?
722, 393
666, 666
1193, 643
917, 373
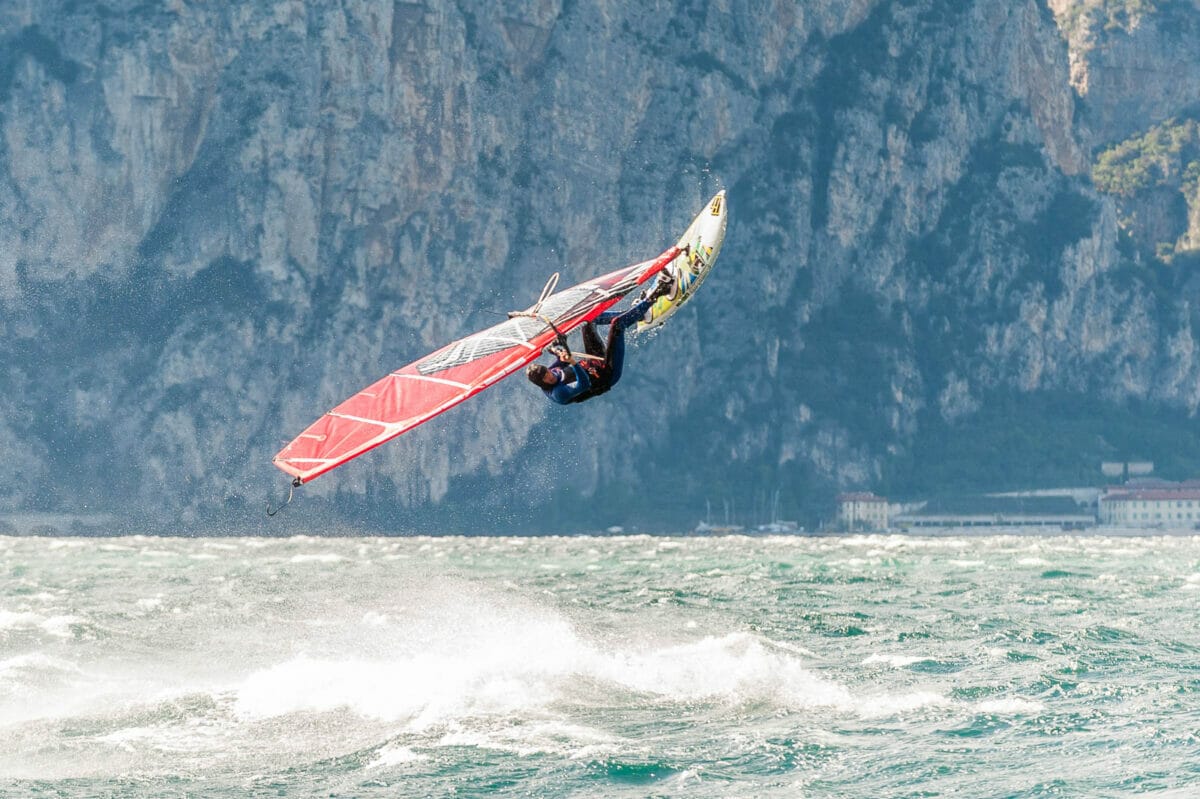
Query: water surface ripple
864, 666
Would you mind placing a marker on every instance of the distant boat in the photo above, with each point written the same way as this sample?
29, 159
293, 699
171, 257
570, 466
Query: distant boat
704, 528
780, 528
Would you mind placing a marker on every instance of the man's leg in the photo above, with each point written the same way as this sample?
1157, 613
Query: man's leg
633, 315
665, 284
592, 344
615, 358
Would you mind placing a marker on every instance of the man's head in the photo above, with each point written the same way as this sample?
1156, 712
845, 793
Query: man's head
540, 376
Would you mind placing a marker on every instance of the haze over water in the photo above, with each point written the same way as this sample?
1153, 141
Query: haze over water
632, 666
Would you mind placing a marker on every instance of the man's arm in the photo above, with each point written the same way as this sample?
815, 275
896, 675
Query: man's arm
562, 353
565, 392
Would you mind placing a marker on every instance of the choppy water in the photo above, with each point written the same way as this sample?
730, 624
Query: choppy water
788, 666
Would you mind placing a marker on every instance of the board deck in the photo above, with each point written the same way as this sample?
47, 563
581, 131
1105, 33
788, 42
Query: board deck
701, 244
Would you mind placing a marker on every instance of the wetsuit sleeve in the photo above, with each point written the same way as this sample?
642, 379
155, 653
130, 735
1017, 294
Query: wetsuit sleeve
565, 392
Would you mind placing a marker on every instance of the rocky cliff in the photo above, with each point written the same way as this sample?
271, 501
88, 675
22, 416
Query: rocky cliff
216, 221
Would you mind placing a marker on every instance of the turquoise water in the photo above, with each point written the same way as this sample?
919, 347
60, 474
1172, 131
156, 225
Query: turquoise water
624, 667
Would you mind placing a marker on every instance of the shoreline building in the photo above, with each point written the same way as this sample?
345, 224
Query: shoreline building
992, 510
862, 510
1152, 504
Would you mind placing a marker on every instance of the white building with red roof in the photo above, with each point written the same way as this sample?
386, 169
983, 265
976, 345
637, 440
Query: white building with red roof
1153, 504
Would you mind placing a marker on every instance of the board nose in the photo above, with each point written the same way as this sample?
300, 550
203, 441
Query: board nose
716, 206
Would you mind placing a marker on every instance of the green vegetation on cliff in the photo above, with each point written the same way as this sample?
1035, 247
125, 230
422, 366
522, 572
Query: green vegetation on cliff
1144, 172
1166, 155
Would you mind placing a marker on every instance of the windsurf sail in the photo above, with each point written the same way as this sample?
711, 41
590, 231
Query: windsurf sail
427, 387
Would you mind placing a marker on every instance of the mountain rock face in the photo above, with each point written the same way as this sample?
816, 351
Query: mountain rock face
1133, 63
1135, 66
216, 221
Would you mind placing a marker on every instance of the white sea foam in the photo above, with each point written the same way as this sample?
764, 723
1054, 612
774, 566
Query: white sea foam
463, 658
17, 620
59, 626
194, 735
895, 661
531, 737
687, 777
392, 755
1012, 706
885, 705
736, 667
323, 557
29, 681
67, 543
491, 662
34, 665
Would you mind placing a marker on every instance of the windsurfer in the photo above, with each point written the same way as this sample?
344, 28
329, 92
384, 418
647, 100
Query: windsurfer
576, 378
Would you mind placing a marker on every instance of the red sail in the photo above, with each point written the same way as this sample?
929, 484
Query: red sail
439, 381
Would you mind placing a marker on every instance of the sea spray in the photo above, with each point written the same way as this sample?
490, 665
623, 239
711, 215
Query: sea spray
781, 666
